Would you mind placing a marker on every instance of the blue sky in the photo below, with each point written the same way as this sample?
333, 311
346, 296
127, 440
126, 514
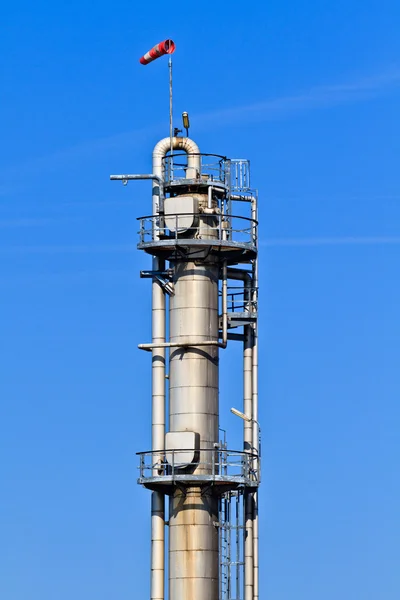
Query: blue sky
309, 92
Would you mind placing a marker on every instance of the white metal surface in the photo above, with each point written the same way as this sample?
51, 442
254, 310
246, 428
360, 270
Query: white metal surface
197, 242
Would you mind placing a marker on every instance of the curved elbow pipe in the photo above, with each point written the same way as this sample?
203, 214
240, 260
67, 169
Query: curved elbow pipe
160, 151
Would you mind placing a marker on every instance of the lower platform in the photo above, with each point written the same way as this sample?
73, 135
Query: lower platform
221, 469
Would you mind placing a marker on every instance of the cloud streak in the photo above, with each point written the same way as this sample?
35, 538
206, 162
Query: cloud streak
332, 241
317, 97
272, 242
35, 222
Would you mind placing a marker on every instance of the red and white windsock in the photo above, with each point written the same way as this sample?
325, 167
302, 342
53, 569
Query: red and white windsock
165, 47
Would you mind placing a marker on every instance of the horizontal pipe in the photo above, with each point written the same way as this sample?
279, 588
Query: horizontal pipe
239, 198
135, 177
193, 344
141, 176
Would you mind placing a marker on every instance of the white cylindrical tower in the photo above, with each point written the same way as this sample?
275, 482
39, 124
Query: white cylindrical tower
193, 236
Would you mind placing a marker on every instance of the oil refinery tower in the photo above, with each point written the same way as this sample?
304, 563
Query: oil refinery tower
202, 235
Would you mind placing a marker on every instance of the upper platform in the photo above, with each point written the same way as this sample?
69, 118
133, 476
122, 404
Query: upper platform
230, 217
233, 238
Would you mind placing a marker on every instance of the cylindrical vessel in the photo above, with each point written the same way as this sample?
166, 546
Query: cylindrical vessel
193, 401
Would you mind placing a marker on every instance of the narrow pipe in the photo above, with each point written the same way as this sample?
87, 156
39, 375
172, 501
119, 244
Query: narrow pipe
224, 305
256, 430
170, 103
257, 450
248, 439
157, 546
135, 177
248, 546
248, 447
158, 436
158, 346
210, 190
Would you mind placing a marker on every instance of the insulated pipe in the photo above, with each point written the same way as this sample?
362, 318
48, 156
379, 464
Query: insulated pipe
256, 430
248, 378
210, 191
158, 364
248, 546
224, 304
158, 435
248, 447
160, 151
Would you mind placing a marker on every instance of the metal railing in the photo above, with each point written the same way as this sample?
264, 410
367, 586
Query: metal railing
240, 174
231, 228
212, 464
238, 301
213, 168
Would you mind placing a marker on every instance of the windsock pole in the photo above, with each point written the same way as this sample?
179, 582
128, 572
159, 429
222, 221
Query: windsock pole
170, 109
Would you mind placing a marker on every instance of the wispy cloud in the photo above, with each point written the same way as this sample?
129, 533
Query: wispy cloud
316, 97
332, 241
69, 249
324, 96
271, 242
35, 222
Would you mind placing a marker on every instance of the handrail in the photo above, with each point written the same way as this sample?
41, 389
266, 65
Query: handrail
222, 465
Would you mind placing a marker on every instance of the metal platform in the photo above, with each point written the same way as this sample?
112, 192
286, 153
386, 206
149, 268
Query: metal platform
223, 469
233, 237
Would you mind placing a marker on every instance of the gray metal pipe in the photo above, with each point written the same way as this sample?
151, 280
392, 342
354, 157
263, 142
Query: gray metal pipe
159, 153
158, 436
248, 546
158, 359
256, 430
249, 439
189, 344
256, 433
224, 305
248, 447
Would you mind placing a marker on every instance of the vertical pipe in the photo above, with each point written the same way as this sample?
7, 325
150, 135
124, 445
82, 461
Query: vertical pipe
224, 302
210, 191
238, 557
158, 436
248, 546
248, 447
170, 108
256, 430
256, 433
158, 401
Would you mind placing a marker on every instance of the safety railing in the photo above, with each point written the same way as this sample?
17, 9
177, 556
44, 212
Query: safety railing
208, 464
230, 228
241, 299
213, 168
240, 175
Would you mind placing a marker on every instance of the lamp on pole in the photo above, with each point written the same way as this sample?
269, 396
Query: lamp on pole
245, 417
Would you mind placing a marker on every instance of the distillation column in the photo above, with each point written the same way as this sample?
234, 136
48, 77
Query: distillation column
193, 399
193, 228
